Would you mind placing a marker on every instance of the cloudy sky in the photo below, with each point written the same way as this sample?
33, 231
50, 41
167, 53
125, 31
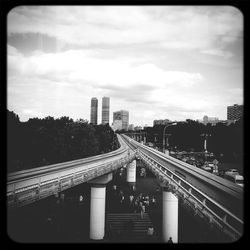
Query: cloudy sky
157, 62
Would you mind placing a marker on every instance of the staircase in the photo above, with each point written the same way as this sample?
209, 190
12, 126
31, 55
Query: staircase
118, 231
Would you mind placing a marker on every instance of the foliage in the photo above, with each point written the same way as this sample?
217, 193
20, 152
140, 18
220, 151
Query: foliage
226, 141
40, 142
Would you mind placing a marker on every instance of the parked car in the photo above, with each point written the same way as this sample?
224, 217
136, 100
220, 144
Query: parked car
235, 178
232, 171
207, 168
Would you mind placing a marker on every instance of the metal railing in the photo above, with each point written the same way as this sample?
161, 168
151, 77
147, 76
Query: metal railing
201, 201
217, 214
24, 187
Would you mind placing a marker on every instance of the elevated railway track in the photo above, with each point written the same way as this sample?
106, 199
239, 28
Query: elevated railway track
218, 200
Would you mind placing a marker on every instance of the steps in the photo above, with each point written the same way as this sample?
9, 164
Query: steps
118, 230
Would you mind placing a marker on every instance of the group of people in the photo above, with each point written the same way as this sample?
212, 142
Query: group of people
133, 201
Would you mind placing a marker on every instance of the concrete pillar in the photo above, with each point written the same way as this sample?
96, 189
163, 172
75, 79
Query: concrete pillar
131, 172
97, 212
170, 217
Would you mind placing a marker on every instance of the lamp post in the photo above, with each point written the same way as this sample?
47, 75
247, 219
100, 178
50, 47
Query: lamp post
168, 125
155, 139
205, 141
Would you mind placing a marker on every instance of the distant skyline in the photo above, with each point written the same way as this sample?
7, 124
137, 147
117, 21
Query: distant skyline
157, 62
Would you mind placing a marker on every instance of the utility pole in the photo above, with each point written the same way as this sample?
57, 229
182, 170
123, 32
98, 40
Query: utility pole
205, 141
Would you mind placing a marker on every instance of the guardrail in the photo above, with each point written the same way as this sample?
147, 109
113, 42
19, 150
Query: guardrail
211, 209
228, 186
27, 186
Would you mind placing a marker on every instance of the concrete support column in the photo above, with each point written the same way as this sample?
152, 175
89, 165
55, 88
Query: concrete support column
97, 212
170, 217
131, 172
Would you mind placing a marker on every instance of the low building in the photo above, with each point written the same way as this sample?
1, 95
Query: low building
137, 128
161, 122
211, 120
131, 127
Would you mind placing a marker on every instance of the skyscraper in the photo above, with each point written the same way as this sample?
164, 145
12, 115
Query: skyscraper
105, 110
122, 115
93, 110
234, 112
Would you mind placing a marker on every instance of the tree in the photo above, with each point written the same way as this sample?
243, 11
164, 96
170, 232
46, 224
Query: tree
39, 142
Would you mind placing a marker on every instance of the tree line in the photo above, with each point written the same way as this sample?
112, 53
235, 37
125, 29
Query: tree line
225, 141
39, 142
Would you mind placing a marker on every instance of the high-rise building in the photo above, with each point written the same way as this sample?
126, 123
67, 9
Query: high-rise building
117, 125
105, 110
122, 115
94, 110
234, 112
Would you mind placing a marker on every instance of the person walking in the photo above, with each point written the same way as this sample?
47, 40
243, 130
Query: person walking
153, 202
150, 232
142, 210
131, 199
122, 199
136, 206
170, 240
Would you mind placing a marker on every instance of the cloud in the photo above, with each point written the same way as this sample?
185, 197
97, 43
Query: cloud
217, 52
12, 51
52, 78
235, 96
32, 113
145, 58
78, 65
174, 27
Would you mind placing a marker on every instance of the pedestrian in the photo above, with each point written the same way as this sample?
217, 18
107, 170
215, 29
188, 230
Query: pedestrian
135, 206
142, 210
153, 202
131, 198
80, 199
146, 201
150, 231
122, 199
170, 240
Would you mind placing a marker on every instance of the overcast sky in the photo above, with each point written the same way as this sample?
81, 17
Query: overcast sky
157, 62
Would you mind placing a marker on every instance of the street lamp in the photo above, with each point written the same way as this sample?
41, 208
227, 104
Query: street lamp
168, 125
205, 141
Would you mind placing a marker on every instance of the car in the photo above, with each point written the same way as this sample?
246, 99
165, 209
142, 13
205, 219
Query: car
236, 178
232, 171
207, 168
